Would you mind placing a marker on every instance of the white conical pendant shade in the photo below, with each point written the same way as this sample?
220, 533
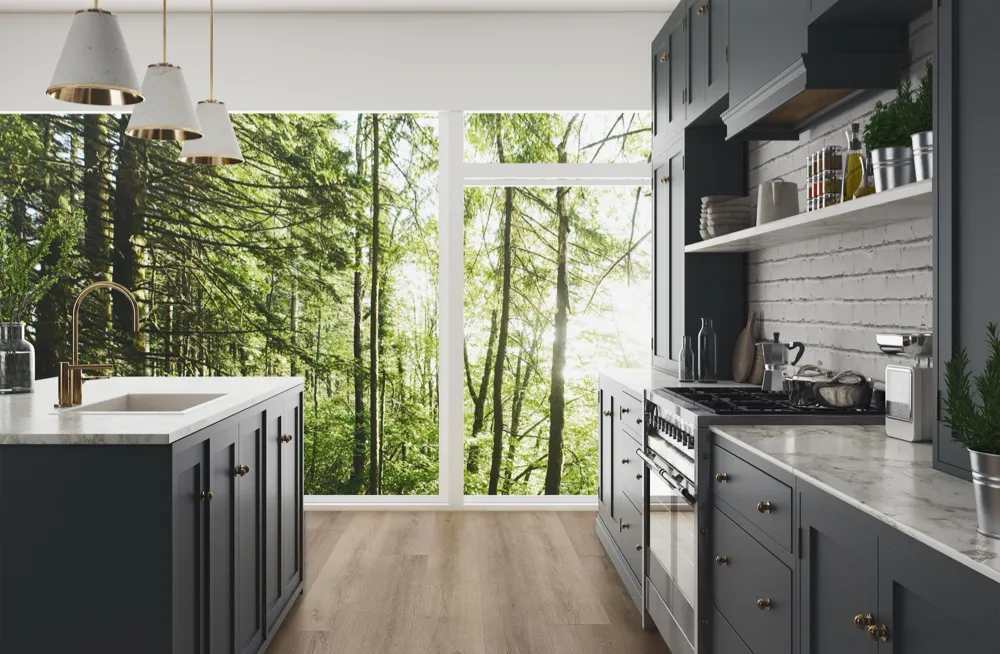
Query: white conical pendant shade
167, 114
219, 146
94, 67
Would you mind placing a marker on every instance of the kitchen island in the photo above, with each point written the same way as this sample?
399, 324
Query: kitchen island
161, 515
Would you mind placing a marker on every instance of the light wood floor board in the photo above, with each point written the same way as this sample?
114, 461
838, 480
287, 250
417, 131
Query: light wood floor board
460, 583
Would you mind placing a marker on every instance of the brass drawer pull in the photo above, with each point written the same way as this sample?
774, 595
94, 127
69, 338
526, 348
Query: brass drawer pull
665, 180
638, 421
622, 526
873, 633
665, 56
862, 619
624, 410
638, 548
638, 475
206, 496
287, 438
883, 633
763, 507
764, 604
607, 414
722, 477
625, 461
722, 560
242, 471
702, 9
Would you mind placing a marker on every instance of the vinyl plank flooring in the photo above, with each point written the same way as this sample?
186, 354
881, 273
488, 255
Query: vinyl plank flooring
460, 583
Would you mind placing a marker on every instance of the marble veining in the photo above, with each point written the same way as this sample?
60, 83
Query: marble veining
31, 419
892, 480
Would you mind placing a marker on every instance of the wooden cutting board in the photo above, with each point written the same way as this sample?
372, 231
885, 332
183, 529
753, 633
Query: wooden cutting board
744, 352
757, 375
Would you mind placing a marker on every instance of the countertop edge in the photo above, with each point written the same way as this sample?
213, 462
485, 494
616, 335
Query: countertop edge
242, 405
933, 543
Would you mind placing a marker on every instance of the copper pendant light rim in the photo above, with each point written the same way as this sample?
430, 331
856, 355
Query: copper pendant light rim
129, 96
211, 160
164, 133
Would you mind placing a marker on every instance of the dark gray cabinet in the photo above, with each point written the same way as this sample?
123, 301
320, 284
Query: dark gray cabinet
966, 231
670, 76
708, 40
159, 549
765, 37
605, 448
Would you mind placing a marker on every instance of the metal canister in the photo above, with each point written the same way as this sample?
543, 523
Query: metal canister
923, 155
892, 167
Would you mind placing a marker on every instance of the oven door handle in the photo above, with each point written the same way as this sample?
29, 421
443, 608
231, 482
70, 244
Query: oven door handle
665, 476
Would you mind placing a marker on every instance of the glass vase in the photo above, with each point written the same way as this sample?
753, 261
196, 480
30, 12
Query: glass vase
686, 361
707, 353
17, 360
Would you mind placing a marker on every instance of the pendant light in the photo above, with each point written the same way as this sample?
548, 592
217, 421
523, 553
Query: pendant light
167, 113
219, 147
94, 67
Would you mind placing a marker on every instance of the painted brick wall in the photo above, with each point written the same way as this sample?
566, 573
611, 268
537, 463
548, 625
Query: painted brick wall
836, 292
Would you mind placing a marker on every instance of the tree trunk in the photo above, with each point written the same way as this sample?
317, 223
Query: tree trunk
95, 237
479, 397
358, 461
375, 448
128, 218
516, 403
293, 326
50, 342
508, 217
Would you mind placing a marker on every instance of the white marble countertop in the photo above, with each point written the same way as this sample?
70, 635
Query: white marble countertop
641, 379
31, 419
889, 479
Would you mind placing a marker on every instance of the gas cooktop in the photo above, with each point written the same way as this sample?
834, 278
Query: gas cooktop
750, 401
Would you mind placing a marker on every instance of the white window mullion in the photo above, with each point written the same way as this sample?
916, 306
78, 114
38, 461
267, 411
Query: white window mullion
451, 224
558, 174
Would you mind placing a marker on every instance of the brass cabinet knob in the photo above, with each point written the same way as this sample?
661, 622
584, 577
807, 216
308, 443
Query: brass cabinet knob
862, 619
638, 421
622, 526
722, 477
665, 56
624, 410
206, 496
702, 9
287, 438
607, 414
873, 633
243, 470
722, 560
764, 604
638, 548
763, 507
638, 475
883, 633
665, 179
625, 461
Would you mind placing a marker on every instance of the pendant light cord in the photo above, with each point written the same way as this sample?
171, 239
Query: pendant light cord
211, 49
164, 31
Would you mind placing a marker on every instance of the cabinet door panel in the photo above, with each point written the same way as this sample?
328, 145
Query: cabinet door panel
249, 613
189, 551
928, 611
838, 579
291, 495
222, 463
677, 242
661, 87
273, 586
698, 45
718, 49
606, 451
678, 64
765, 37
662, 257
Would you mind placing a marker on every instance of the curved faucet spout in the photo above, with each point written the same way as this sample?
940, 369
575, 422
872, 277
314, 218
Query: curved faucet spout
114, 286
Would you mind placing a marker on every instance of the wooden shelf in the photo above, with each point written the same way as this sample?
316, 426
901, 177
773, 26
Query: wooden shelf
899, 204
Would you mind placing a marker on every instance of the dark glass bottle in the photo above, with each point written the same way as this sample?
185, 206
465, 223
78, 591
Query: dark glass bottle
687, 362
707, 352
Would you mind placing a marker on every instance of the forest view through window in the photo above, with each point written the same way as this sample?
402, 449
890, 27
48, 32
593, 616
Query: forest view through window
315, 258
557, 286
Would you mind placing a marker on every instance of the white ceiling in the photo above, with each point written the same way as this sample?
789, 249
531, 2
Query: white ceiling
343, 5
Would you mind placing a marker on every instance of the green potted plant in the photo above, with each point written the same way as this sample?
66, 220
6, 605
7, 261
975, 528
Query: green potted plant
900, 130
24, 281
976, 425
922, 126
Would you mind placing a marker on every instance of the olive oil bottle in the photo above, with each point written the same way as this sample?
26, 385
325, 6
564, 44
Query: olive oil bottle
854, 168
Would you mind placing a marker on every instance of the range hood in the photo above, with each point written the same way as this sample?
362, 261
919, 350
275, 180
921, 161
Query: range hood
843, 64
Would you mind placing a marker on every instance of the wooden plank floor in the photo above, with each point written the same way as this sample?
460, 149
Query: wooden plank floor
463, 582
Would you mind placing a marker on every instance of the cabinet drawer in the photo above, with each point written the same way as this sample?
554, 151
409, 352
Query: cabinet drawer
756, 495
752, 590
627, 533
629, 468
629, 412
724, 639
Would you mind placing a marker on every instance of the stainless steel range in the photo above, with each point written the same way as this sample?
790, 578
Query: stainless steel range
677, 512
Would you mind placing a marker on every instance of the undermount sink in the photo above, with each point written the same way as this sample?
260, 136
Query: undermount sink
176, 403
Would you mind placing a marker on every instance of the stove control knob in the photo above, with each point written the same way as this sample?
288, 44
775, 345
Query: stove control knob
690, 443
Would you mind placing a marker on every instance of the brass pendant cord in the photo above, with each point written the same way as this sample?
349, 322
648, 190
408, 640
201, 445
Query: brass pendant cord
211, 50
164, 31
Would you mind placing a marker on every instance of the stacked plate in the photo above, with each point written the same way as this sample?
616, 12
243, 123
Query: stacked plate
725, 214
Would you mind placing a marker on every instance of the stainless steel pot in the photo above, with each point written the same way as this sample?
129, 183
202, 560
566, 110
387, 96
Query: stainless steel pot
892, 167
923, 155
986, 484
815, 386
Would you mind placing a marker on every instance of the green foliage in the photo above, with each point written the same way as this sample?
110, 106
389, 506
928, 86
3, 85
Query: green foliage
976, 425
891, 124
25, 281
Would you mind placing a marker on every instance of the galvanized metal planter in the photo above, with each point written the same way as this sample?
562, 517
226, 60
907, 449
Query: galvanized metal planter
892, 167
923, 155
986, 482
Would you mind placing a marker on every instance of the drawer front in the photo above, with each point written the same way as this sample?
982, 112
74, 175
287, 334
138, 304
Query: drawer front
628, 535
724, 639
756, 495
753, 590
629, 468
629, 415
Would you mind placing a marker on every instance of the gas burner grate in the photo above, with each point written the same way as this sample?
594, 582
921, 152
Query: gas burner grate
754, 401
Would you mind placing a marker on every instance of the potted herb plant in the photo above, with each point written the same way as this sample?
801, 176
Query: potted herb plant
887, 138
976, 425
922, 126
25, 280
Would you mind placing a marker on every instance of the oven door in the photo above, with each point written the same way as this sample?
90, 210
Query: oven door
672, 561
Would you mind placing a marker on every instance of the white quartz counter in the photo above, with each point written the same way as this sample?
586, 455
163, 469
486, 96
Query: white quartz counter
889, 479
641, 379
30, 419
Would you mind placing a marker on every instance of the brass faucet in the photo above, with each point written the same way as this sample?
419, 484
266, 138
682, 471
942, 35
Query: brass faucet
71, 373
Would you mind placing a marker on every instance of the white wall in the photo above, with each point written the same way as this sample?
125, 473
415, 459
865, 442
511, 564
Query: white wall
836, 292
384, 61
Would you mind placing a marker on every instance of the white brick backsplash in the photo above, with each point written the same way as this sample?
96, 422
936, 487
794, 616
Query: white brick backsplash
835, 293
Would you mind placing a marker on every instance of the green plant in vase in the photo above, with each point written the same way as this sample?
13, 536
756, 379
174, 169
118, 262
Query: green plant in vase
889, 125
974, 419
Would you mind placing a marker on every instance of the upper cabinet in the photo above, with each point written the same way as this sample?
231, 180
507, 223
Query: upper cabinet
766, 36
708, 39
670, 79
